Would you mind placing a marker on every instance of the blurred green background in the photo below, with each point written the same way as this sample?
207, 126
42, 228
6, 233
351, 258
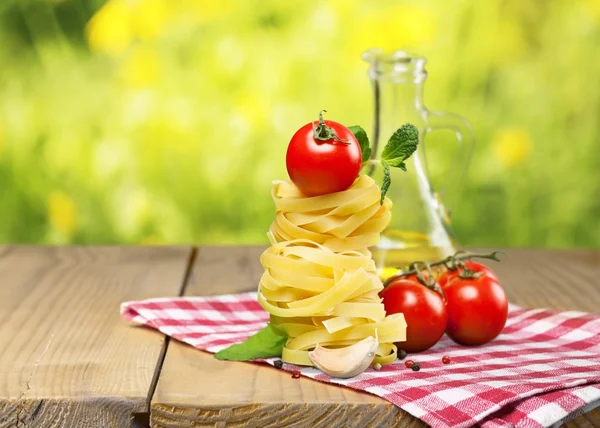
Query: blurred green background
164, 121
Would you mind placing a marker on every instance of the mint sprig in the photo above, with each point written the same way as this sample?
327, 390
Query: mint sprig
387, 180
363, 140
401, 145
268, 342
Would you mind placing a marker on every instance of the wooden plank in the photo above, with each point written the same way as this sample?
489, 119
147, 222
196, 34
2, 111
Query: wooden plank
66, 357
560, 279
590, 419
194, 389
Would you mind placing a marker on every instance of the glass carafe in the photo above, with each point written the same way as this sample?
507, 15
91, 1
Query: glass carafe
420, 226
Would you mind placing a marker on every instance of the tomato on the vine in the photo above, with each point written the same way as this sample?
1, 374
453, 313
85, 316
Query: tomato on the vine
475, 267
424, 311
477, 309
323, 157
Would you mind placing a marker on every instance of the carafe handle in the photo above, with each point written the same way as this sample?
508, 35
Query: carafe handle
439, 120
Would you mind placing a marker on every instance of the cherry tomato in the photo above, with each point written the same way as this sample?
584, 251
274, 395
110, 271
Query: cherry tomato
448, 275
423, 309
323, 160
477, 309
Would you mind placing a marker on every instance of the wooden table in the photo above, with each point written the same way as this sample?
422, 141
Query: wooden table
68, 359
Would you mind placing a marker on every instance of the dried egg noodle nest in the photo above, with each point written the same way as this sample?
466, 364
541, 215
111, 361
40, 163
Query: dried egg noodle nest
320, 284
343, 221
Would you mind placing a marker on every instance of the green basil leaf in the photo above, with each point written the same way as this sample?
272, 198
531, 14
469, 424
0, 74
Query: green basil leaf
267, 343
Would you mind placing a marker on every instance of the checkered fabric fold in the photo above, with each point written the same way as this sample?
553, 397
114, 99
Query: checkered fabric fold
542, 369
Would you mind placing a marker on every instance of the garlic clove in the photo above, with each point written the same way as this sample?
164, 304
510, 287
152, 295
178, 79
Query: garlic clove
345, 362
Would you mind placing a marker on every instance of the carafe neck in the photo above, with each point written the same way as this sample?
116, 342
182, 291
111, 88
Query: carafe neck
397, 80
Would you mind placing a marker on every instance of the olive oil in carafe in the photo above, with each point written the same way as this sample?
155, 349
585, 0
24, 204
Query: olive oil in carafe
399, 249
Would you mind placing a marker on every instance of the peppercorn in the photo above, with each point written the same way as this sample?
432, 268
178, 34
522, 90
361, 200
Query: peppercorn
296, 374
278, 364
446, 359
402, 354
416, 367
376, 366
408, 363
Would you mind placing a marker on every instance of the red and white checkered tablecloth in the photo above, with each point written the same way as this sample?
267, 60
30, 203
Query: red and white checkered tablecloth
543, 368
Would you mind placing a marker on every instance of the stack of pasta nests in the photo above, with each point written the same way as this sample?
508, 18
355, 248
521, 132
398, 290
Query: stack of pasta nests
320, 283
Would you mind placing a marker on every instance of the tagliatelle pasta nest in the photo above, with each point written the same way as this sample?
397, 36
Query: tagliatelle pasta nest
320, 284
344, 221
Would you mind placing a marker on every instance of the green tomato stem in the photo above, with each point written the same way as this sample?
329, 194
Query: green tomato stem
322, 132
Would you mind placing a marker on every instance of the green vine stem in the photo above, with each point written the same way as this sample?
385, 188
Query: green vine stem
452, 262
371, 162
429, 281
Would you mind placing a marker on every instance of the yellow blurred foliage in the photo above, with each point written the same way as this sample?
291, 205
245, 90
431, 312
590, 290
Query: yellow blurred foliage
253, 109
152, 240
119, 22
149, 18
390, 29
511, 146
173, 120
141, 68
507, 48
594, 7
62, 213
110, 30
205, 11
133, 208
139, 209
